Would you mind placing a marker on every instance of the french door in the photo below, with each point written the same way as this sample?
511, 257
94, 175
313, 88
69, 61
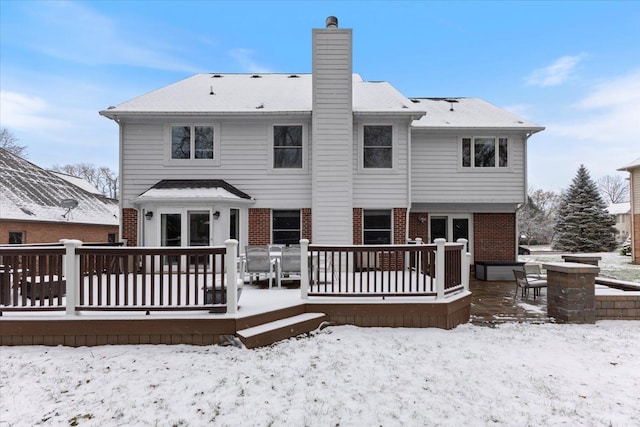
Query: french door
185, 228
451, 228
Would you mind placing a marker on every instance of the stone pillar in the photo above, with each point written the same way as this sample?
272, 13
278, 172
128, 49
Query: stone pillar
571, 292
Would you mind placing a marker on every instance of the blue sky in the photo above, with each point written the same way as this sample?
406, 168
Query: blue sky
573, 67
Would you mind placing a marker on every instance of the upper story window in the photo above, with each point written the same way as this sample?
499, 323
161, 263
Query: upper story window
287, 147
485, 152
377, 147
192, 142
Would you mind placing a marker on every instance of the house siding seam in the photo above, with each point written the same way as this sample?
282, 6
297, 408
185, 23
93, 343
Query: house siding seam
494, 236
130, 226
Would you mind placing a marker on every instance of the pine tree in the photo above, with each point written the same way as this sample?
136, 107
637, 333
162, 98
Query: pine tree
584, 225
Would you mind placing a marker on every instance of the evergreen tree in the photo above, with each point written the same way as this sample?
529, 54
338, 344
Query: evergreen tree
584, 225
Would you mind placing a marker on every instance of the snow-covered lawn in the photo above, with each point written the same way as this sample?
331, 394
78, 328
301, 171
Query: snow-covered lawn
513, 374
611, 265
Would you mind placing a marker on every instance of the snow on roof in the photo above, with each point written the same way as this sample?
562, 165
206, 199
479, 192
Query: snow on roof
633, 165
473, 113
619, 208
30, 193
256, 93
192, 189
78, 182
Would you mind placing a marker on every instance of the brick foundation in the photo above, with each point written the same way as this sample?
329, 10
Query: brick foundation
494, 236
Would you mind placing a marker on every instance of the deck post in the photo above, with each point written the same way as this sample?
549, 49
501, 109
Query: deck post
440, 267
232, 280
304, 268
418, 241
72, 274
464, 264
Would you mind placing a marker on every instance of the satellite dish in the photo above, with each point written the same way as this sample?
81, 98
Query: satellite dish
69, 203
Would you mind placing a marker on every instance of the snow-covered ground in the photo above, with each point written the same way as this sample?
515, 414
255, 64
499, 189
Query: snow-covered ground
611, 265
515, 374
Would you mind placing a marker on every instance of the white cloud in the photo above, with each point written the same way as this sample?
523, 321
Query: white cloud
609, 113
18, 110
244, 58
556, 73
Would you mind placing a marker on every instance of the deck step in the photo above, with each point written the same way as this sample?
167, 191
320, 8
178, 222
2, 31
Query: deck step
268, 333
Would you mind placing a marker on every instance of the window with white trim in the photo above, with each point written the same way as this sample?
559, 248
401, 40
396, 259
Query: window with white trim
287, 147
485, 152
192, 142
377, 147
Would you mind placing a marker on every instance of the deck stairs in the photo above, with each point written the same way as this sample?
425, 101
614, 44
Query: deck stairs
280, 329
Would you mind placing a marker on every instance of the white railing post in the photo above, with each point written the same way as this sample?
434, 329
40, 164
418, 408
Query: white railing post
418, 258
440, 267
232, 277
304, 268
464, 264
468, 270
71, 268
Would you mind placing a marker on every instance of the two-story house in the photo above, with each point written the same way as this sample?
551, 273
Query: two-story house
327, 156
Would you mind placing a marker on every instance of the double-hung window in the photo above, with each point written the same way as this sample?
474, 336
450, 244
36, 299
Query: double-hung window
192, 142
485, 152
286, 227
287, 147
377, 146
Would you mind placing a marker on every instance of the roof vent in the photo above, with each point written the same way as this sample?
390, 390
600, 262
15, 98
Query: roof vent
256, 76
259, 107
294, 76
415, 101
332, 22
216, 76
451, 102
211, 92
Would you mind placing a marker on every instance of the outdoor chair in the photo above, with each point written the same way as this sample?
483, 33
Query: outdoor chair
259, 262
290, 261
534, 271
525, 283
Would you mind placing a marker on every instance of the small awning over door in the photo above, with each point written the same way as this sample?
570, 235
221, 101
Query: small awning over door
211, 190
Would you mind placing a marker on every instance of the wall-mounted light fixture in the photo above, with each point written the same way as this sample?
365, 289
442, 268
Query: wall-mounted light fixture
422, 220
148, 215
216, 215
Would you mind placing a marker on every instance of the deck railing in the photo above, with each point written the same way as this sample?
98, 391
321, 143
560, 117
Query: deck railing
434, 270
77, 277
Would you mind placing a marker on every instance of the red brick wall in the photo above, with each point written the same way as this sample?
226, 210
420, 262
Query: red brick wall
306, 223
130, 226
52, 232
419, 228
399, 226
259, 226
494, 236
357, 226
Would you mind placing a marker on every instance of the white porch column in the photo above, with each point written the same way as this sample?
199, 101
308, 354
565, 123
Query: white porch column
232, 277
72, 274
464, 264
440, 267
304, 268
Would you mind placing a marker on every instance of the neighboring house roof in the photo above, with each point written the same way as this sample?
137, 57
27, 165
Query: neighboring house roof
471, 113
633, 165
190, 189
619, 208
28, 192
257, 93
78, 182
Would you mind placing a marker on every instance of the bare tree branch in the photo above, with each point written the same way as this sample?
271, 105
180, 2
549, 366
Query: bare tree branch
9, 142
102, 178
614, 188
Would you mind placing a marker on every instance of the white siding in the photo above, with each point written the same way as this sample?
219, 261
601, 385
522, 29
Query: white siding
635, 189
437, 178
244, 161
332, 137
381, 188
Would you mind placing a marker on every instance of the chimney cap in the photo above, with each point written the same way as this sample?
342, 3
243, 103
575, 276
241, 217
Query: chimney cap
332, 22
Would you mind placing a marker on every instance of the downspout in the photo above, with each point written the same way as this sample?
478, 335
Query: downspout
406, 223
